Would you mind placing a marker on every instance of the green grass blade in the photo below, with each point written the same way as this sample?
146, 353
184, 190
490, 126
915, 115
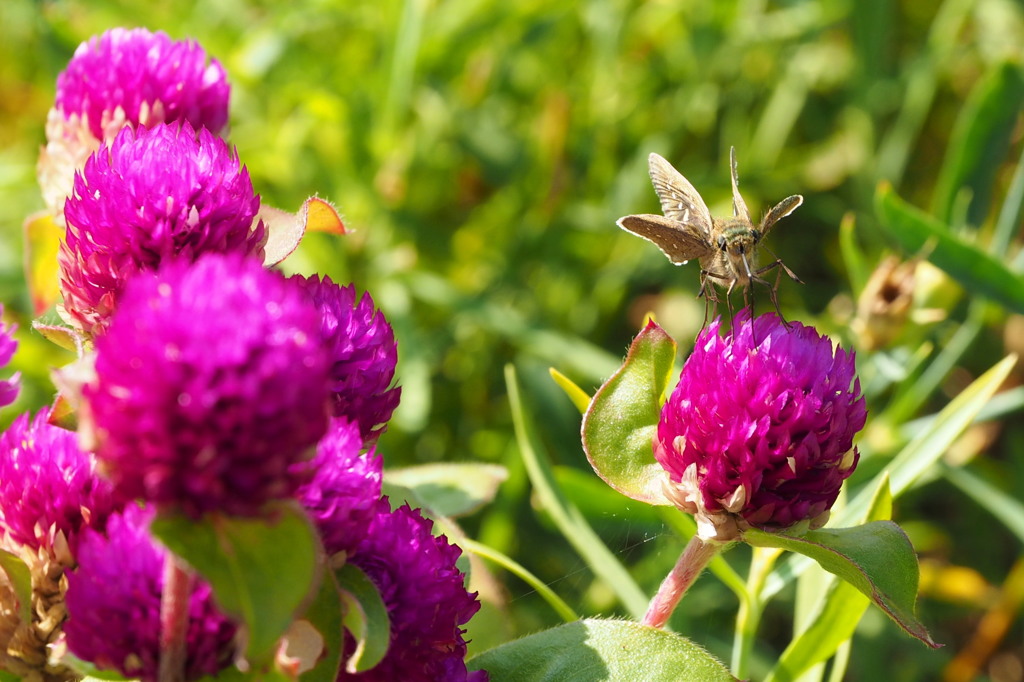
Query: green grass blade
565, 515
515, 568
1006, 509
980, 139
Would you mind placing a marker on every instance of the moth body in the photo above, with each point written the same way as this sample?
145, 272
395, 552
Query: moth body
726, 248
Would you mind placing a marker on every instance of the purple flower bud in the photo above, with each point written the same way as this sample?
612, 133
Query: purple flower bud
49, 489
8, 387
113, 605
425, 595
211, 383
759, 431
345, 487
153, 195
362, 349
126, 78
150, 77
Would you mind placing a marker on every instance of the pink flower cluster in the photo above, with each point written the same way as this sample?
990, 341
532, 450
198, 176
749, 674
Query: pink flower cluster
215, 385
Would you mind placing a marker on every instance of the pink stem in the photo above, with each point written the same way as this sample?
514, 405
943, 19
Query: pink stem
691, 562
178, 579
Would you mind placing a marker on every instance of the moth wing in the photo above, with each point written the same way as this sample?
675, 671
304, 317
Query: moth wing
681, 242
680, 202
780, 211
739, 207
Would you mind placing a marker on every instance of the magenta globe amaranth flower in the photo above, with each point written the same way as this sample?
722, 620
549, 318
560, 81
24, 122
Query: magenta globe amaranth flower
126, 77
49, 489
211, 383
361, 345
8, 387
759, 431
342, 495
425, 595
113, 604
151, 196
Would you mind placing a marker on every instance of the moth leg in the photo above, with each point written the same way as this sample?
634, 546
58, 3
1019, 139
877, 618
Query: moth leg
777, 263
773, 289
707, 290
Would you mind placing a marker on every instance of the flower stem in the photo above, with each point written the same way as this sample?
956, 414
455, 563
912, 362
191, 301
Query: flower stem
691, 562
174, 603
749, 616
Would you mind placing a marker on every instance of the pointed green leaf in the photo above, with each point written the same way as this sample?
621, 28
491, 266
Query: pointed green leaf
89, 670
838, 613
325, 615
366, 617
576, 394
20, 578
975, 269
876, 558
261, 570
981, 137
450, 489
65, 337
622, 420
601, 650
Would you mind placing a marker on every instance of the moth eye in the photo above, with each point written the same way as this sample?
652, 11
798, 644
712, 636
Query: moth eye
756, 234
721, 243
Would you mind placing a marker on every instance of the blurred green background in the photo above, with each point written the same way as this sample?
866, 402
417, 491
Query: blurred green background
482, 151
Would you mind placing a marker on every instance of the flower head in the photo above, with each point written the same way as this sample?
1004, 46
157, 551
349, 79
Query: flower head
211, 383
113, 604
342, 495
49, 489
8, 387
425, 595
759, 430
153, 195
362, 349
126, 77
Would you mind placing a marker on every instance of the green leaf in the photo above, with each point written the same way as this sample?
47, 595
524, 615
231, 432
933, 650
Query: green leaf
447, 489
876, 558
838, 613
261, 570
88, 670
564, 514
366, 617
975, 269
325, 615
600, 650
981, 137
622, 420
64, 337
20, 578
576, 394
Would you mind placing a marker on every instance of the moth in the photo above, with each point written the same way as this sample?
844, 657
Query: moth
725, 247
